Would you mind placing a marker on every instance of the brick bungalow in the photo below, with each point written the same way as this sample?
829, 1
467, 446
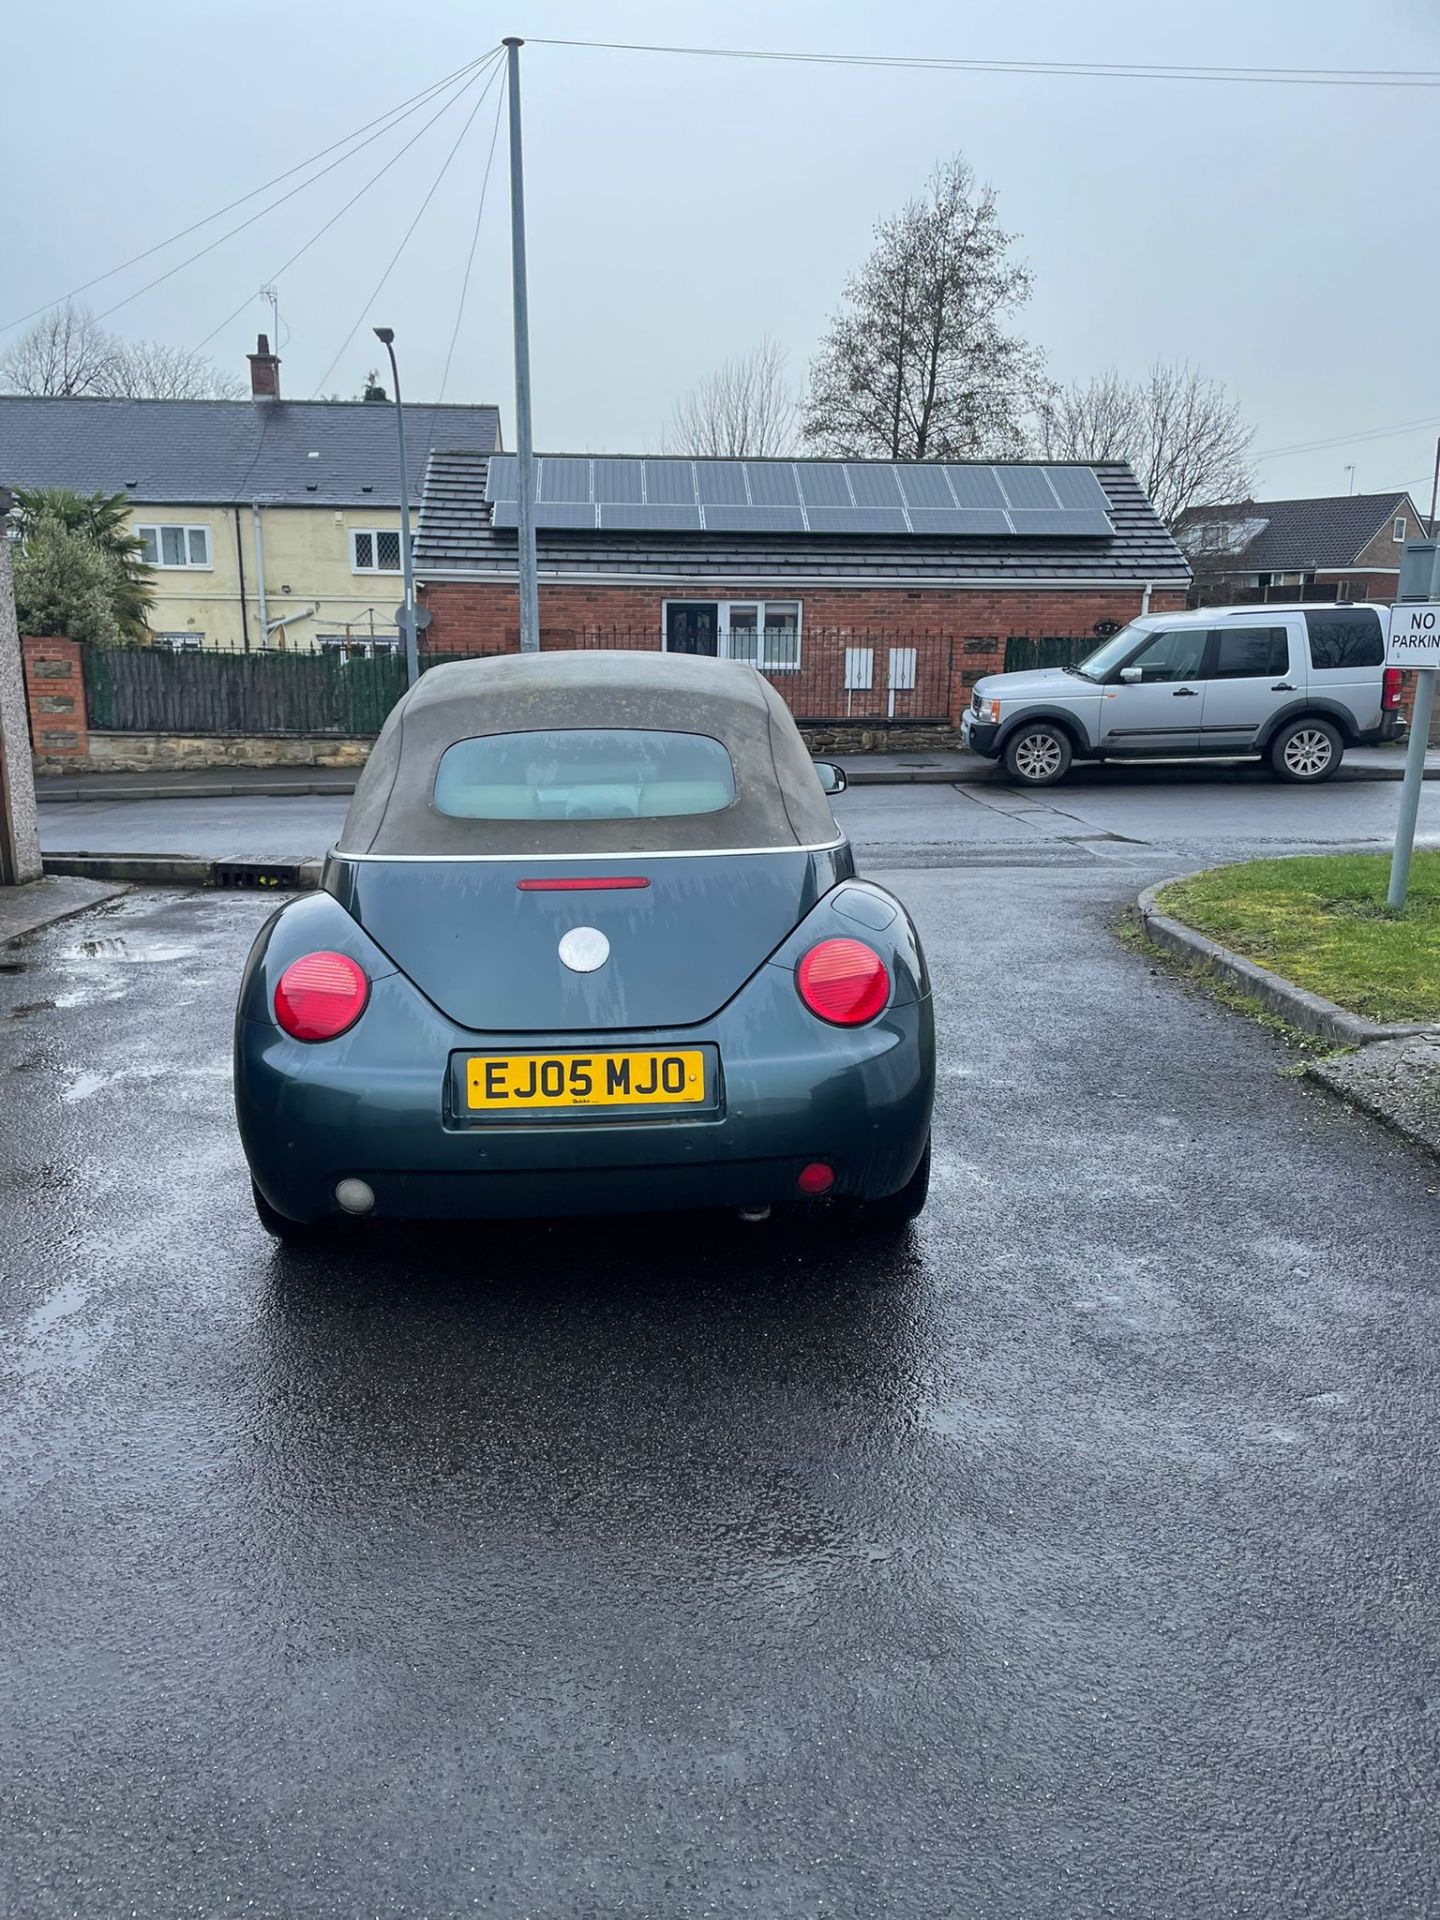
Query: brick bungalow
872, 594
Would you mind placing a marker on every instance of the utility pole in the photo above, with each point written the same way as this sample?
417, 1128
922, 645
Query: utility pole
1434, 489
525, 491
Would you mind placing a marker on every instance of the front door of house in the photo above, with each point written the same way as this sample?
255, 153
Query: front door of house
692, 626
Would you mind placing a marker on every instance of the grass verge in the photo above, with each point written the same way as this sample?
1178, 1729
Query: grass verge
1321, 921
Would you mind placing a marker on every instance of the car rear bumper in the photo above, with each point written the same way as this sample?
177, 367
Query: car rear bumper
376, 1105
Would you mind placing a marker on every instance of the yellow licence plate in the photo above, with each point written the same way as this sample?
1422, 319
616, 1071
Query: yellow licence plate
525, 1082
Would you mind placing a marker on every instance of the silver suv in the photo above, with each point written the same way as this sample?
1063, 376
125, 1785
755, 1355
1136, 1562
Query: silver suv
1295, 686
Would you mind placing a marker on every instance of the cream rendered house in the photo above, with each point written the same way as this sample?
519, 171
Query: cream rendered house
268, 522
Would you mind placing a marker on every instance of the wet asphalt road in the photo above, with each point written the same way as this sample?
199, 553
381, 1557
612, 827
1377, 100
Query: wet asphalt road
1077, 1556
1215, 812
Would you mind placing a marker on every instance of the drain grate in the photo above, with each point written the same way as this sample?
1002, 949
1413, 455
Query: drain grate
260, 874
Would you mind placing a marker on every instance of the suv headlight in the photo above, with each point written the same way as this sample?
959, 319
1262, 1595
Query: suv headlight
987, 709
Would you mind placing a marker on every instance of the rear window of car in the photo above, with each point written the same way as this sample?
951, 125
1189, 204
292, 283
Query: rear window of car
609, 773
1250, 652
1344, 639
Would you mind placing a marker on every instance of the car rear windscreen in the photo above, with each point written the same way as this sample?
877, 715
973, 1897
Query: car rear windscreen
1344, 639
609, 773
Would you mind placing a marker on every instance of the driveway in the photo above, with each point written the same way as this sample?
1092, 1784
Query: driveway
1078, 1556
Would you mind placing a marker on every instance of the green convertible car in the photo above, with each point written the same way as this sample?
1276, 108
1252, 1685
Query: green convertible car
590, 942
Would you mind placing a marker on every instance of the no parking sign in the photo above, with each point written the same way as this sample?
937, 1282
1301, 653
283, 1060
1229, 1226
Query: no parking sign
1414, 636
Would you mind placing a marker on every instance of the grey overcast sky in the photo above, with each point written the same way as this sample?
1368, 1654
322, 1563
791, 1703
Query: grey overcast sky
679, 208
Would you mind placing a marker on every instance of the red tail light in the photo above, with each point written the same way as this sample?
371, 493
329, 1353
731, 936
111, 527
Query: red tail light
844, 982
1390, 690
321, 996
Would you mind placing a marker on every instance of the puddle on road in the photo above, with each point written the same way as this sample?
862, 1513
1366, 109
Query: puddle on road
130, 946
52, 1338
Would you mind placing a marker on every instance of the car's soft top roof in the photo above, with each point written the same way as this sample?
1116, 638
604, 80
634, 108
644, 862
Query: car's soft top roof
778, 802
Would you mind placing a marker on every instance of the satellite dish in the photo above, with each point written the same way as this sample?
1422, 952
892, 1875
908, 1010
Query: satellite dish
422, 617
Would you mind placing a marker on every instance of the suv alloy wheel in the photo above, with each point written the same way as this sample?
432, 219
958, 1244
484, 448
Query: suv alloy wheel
1039, 754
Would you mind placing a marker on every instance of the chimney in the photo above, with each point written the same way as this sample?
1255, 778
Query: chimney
264, 371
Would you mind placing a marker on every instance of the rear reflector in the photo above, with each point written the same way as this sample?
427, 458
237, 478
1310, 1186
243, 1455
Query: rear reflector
844, 982
1390, 690
815, 1179
599, 883
321, 996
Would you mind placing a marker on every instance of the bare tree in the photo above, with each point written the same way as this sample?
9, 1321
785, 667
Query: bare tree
65, 352
745, 406
1183, 434
68, 353
920, 364
149, 370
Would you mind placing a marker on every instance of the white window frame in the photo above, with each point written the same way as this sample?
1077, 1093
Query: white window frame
723, 610
187, 642
374, 534
155, 528
359, 646
1397, 532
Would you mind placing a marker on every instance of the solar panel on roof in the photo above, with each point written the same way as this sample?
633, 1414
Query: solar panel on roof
619, 480
723, 519
564, 513
959, 520
823, 484
563, 479
772, 483
1078, 489
924, 486
721, 483
503, 480
649, 516
976, 487
669, 483
548, 513
872, 486
1026, 487
667, 494
1056, 521
856, 520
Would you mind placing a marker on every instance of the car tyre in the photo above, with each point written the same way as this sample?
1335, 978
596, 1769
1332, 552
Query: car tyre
1307, 752
294, 1233
895, 1212
1039, 754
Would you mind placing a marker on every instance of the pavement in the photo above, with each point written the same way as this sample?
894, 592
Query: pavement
1075, 1556
862, 769
51, 898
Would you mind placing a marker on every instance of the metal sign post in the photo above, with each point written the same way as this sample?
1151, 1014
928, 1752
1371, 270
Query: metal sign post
1414, 644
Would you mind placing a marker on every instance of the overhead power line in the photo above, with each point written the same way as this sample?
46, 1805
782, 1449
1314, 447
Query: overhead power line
393, 115
1347, 439
405, 238
1069, 69
399, 154
200, 253
439, 400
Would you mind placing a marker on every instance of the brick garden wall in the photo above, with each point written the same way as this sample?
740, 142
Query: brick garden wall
55, 696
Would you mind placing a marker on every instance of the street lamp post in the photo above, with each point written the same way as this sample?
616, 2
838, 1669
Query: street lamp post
386, 337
